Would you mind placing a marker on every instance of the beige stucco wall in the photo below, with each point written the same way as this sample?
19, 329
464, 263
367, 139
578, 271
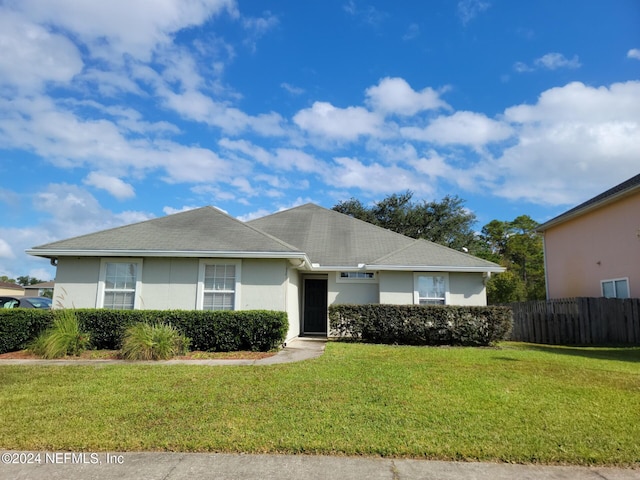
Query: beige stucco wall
467, 289
464, 288
351, 292
168, 284
293, 303
76, 282
171, 283
396, 288
600, 245
264, 284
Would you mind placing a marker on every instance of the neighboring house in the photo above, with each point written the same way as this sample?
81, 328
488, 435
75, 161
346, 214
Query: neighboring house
8, 289
593, 250
38, 289
299, 261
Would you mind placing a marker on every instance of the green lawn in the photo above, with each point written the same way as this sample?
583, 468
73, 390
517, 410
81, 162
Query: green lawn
518, 403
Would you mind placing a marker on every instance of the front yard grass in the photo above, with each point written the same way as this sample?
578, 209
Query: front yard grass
517, 403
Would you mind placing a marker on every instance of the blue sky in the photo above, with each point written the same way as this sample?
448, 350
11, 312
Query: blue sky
121, 111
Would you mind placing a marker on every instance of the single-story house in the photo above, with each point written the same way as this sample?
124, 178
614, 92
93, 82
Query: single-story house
299, 261
38, 289
9, 289
593, 250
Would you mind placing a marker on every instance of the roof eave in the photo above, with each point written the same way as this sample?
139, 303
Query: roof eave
577, 212
55, 253
438, 268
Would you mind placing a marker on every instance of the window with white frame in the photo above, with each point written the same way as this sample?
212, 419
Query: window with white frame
615, 288
119, 283
218, 285
431, 288
356, 277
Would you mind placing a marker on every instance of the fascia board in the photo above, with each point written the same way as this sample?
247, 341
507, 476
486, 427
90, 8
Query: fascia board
48, 253
436, 268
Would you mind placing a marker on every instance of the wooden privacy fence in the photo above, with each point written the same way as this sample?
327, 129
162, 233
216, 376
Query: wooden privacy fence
578, 321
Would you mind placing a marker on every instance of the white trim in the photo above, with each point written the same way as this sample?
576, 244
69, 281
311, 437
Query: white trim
614, 280
200, 288
103, 272
416, 293
165, 253
436, 268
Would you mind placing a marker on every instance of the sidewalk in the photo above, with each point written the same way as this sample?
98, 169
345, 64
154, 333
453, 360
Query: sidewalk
196, 466
296, 350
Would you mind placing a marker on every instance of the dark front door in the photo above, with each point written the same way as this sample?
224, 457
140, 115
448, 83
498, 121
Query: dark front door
315, 306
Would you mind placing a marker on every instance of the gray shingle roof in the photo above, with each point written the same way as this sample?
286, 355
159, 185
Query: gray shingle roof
202, 229
331, 238
619, 190
328, 238
422, 253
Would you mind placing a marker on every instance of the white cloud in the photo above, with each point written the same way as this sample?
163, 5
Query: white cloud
572, 141
554, 60
32, 56
634, 53
111, 184
374, 178
293, 90
469, 9
461, 128
109, 34
395, 95
5, 250
325, 120
549, 61
184, 208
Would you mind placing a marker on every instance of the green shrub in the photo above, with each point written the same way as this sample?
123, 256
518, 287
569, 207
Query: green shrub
214, 331
19, 326
64, 338
421, 324
143, 341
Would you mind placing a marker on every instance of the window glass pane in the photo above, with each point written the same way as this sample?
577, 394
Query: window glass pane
431, 286
218, 301
220, 277
608, 290
622, 289
119, 300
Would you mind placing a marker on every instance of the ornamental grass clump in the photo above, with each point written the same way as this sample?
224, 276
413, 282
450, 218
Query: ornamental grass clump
161, 341
64, 338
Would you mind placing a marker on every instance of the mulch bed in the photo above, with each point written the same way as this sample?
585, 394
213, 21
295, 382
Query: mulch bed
113, 355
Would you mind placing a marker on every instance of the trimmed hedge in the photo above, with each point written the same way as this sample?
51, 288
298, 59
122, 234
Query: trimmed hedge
21, 325
214, 331
421, 324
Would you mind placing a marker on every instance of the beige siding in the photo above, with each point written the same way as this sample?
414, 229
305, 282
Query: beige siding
396, 288
76, 282
351, 292
467, 289
293, 303
169, 284
264, 284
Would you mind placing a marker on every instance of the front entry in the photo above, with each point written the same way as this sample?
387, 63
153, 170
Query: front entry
315, 306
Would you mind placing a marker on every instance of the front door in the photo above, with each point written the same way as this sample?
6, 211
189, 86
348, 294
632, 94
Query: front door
315, 306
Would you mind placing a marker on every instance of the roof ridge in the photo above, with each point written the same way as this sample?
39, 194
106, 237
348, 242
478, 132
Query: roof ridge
336, 213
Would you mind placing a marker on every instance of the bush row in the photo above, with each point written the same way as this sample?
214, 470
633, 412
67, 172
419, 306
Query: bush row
21, 325
421, 324
215, 331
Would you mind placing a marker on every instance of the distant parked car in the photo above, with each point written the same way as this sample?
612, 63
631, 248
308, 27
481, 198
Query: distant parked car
25, 302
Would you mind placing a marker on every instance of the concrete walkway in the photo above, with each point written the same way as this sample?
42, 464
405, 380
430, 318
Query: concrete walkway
296, 350
196, 466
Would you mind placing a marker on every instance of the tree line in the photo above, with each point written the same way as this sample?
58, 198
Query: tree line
513, 244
